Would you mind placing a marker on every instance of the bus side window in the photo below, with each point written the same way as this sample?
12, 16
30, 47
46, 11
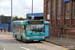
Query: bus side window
24, 27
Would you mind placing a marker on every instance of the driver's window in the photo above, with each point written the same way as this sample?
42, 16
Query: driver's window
28, 29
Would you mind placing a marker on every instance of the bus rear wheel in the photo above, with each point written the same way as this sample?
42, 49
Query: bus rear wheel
16, 37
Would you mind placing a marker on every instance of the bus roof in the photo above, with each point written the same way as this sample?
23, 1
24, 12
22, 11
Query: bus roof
25, 21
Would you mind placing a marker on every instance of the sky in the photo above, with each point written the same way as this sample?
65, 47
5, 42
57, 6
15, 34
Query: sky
20, 7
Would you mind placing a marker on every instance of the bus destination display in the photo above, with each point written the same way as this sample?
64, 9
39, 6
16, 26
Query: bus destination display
35, 22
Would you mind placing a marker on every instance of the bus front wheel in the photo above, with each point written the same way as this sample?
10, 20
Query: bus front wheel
39, 41
21, 39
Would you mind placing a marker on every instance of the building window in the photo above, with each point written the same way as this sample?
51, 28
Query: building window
73, 9
48, 10
67, 10
58, 9
53, 9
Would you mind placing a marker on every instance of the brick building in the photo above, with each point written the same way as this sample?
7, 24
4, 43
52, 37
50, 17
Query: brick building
61, 15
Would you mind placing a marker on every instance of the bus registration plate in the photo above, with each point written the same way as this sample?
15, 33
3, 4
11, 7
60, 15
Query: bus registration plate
36, 40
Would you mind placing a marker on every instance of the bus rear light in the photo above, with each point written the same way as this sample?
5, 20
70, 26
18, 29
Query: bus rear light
27, 38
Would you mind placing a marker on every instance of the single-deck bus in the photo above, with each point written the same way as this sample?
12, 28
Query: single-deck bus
29, 30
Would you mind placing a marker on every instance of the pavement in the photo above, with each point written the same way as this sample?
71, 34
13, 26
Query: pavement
8, 42
64, 42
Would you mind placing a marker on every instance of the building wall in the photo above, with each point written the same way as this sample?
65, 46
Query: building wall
45, 10
69, 24
62, 25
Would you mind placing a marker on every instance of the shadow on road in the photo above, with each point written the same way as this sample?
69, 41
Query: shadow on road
29, 42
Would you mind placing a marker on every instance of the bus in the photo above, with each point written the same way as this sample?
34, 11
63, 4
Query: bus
29, 30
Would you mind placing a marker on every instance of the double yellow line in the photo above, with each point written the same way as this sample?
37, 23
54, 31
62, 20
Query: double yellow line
55, 45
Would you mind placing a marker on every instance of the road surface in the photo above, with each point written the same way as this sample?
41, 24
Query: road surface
8, 42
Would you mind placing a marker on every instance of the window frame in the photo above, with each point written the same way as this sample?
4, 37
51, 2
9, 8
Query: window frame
59, 11
67, 9
73, 10
48, 10
53, 10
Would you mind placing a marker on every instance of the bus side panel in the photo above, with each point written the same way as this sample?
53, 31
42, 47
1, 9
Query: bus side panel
14, 33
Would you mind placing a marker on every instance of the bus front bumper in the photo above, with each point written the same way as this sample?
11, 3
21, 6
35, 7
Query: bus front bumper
35, 40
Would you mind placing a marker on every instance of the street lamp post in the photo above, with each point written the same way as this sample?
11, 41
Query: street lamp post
32, 11
32, 7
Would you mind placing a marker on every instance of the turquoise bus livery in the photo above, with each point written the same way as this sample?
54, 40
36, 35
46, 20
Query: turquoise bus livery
29, 30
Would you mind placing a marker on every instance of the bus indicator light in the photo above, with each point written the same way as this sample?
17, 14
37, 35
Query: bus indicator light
27, 38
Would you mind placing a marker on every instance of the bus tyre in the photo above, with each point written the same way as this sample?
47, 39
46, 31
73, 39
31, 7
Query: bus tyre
15, 36
39, 41
21, 39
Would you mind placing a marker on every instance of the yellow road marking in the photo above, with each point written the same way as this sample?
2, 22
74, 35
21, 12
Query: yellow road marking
55, 45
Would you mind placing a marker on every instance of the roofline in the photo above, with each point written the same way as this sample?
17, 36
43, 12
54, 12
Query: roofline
36, 13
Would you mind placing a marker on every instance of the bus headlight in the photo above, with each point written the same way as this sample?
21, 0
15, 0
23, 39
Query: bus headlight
43, 37
27, 38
